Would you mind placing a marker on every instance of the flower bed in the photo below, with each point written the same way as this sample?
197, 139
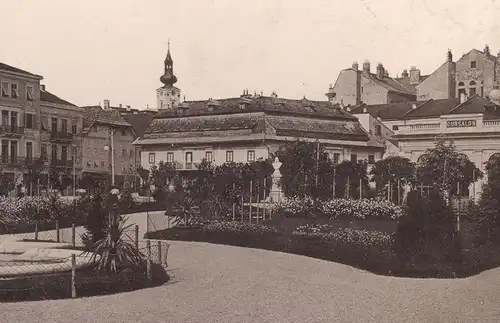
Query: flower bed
18, 215
339, 208
360, 248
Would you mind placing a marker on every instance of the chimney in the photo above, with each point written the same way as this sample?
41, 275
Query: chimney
121, 106
274, 95
106, 105
487, 50
463, 97
405, 73
449, 56
413, 106
42, 87
365, 110
128, 107
380, 71
366, 66
414, 75
355, 66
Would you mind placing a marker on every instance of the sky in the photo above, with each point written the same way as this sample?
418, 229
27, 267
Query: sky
92, 50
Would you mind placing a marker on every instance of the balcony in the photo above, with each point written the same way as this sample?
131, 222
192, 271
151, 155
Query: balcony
61, 162
16, 161
61, 136
11, 131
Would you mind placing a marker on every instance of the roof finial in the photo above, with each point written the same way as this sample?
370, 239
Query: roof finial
168, 46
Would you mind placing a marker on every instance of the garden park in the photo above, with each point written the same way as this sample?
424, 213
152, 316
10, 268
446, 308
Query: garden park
393, 218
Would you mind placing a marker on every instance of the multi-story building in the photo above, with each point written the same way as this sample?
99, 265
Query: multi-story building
37, 128
473, 124
108, 138
354, 87
19, 123
60, 135
249, 127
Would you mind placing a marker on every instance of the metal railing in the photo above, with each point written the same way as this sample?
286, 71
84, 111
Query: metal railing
11, 129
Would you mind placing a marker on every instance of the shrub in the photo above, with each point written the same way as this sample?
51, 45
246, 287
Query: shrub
233, 226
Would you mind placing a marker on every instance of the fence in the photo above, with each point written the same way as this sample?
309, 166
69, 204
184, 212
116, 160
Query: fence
34, 273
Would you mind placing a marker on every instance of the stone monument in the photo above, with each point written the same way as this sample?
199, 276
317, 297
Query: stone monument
276, 194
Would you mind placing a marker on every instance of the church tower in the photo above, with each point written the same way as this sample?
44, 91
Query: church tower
168, 96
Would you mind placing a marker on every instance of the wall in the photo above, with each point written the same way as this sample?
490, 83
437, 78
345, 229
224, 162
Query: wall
97, 159
218, 153
167, 97
345, 87
372, 93
439, 85
484, 72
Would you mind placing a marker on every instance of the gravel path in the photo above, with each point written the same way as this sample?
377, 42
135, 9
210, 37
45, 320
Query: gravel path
215, 283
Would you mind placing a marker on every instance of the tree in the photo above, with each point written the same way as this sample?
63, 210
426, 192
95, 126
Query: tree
489, 207
302, 162
348, 178
7, 183
395, 170
443, 167
32, 176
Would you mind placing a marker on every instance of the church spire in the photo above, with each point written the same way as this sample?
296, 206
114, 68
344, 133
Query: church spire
168, 77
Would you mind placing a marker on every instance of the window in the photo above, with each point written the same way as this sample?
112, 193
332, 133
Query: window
170, 157
371, 159
29, 150
5, 89
64, 153
336, 158
473, 64
378, 130
354, 158
29, 121
13, 151
208, 156
29, 93
43, 151
251, 155
229, 156
73, 152
461, 91
5, 151
131, 153
151, 158
74, 127
189, 157
395, 127
13, 91
53, 152
64, 126
124, 132
124, 152
472, 91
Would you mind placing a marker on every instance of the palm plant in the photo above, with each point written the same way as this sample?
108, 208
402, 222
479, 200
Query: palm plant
113, 252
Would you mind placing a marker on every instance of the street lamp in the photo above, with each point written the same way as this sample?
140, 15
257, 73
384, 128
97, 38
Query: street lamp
112, 148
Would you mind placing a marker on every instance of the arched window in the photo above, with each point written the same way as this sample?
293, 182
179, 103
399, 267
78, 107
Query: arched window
472, 88
461, 89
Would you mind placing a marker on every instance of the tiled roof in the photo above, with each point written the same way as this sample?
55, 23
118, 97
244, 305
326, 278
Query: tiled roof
478, 104
140, 121
49, 97
313, 128
433, 108
390, 84
287, 126
94, 114
224, 122
257, 104
405, 81
8, 68
391, 111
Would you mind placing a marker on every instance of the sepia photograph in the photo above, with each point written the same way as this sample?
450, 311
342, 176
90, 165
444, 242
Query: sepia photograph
228, 161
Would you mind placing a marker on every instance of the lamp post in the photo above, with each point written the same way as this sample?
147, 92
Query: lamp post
112, 148
73, 153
